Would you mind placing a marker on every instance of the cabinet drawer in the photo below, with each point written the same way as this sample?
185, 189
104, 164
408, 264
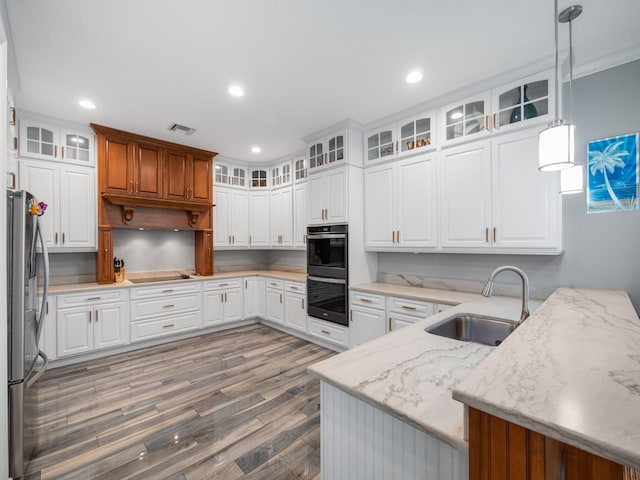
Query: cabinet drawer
441, 307
165, 289
91, 298
141, 309
295, 287
368, 300
331, 332
410, 307
226, 283
275, 283
166, 326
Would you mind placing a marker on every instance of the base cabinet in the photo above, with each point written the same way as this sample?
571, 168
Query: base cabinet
275, 304
222, 301
295, 306
254, 297
82, 329
365, 324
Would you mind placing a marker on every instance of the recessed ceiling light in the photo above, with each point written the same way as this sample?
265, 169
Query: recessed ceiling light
256, 149
88, 104
414, 76
236, 91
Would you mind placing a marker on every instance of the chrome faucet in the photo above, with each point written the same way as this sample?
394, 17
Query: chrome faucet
488, 288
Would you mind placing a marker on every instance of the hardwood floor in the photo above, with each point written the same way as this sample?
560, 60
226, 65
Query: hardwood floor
228, 405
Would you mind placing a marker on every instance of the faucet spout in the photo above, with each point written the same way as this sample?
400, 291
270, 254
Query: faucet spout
487, 291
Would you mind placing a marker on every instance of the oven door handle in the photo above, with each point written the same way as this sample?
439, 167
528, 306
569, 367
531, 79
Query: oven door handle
322, 236
340, 281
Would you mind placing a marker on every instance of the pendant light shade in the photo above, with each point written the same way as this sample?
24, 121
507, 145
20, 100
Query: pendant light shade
555, 147
571, 180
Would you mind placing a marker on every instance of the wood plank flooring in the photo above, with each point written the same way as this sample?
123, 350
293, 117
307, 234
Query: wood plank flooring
228, 405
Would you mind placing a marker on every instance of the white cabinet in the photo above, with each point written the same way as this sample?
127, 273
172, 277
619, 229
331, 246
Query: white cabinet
295, 311
300, 215
328, 197
329, 332
231, 218
494, 199
407, 137
258, 177
231, 175
401, 205
281, 174
329, 150
523, 103
254, 297
91, 321
165, 309
222, 301
366, 317
300, 171
69, 191
259, 215
275, 301
47, 141
402, 312
281, 214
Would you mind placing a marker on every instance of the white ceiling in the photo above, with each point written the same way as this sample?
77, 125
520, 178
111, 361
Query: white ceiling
304, 64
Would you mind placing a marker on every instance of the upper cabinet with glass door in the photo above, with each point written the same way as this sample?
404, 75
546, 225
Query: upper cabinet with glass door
47, 141
281, 175
299, 169
327, 151
523, 103
229, 175
403, 138
258, 177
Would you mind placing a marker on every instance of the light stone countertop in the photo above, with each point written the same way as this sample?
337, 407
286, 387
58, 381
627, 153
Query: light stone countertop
81, 287
410, 373
449, 297
571, 372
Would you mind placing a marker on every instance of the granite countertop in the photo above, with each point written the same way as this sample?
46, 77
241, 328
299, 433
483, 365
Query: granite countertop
81, 287
410, 373
571, 372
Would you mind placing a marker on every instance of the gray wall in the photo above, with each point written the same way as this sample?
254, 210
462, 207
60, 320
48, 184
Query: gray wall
601, 250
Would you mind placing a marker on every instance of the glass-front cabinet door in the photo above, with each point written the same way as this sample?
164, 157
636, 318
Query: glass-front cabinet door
416, 134
316, 155
76, 147
239, 176
465, 119
300, 170
259, 178
526, 101
379, 144
285, 173
276, 178
222, 174
38, 140
335, 149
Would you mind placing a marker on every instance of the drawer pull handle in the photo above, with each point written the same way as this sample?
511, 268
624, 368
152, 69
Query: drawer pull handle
168, 290
171, 305
91, 299
390, 329
223, 285
406, 307
326, 331
168, 325
293, 288
365, 300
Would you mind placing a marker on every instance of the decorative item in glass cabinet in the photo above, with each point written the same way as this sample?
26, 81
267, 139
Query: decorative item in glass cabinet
529, 109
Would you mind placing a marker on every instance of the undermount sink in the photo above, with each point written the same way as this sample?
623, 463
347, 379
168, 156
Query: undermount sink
469, 327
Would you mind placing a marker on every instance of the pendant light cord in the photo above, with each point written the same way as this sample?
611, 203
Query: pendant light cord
555, 60
570, 72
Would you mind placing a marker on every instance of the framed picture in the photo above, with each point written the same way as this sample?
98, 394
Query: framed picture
612, 174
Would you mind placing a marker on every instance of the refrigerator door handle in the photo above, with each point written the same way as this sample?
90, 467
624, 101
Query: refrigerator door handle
45, 290
39, 373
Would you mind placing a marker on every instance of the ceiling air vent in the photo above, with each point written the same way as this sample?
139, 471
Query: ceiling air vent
176, 127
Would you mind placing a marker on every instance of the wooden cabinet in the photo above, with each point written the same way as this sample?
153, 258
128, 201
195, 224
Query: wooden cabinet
91, 321
494, 198
231, 217
187, 177
401, 205
328, 197
70, 194
500, 450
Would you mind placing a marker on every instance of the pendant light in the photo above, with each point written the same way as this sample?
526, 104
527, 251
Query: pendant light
555, 143
571, 179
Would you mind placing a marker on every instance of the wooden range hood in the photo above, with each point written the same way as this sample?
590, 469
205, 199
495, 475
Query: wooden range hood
156, 185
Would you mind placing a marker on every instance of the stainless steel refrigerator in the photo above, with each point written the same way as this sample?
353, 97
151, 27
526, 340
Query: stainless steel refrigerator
26, 248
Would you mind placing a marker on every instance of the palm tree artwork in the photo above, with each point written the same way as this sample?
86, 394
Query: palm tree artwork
613, 174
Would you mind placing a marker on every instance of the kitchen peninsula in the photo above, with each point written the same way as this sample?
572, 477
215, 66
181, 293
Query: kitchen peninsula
390, 400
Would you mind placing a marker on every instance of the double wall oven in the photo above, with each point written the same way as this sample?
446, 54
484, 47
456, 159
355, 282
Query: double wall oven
327, 273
